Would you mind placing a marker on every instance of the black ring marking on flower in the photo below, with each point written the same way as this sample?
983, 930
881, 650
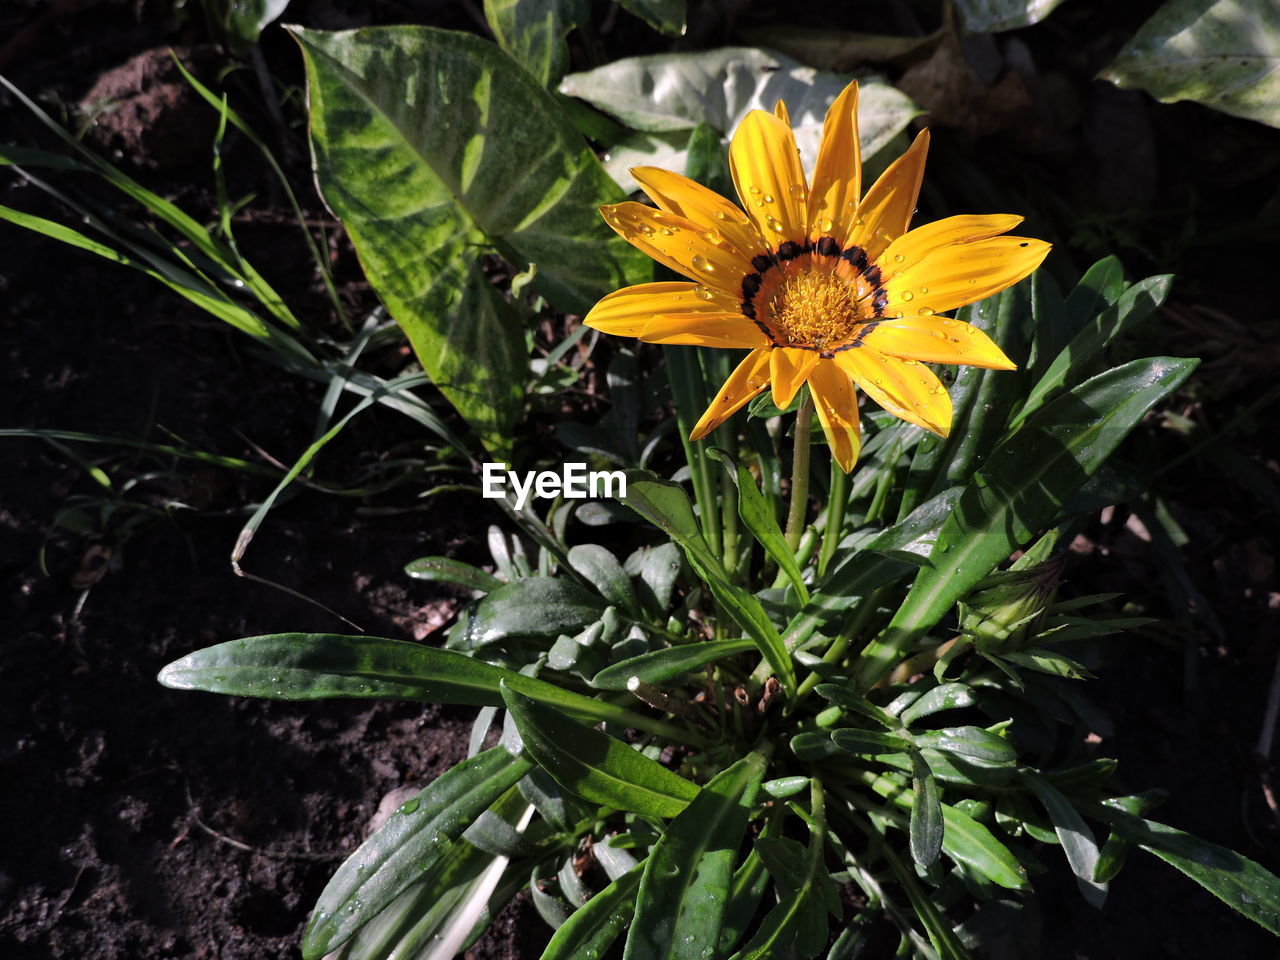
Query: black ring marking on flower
790, 250
858, 337
827, 247
857, 257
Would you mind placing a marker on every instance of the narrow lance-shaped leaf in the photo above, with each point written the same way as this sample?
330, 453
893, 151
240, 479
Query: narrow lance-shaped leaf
1237, 881
593, 927
1020, 490
667, 506
409, 844
659, 665
318, 666
1073, 833
594, 765
927, 824
758, 516
681, 904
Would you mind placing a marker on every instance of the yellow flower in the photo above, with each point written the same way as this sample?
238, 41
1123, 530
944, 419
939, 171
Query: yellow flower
821, 283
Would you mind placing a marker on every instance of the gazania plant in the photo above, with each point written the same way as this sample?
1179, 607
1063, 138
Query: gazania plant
830, 697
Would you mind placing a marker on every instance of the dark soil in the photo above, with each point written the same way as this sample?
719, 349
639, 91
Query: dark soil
140, 823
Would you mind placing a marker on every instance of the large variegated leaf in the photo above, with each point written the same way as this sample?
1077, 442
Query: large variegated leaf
1222, 53
664, 93
434, 148
994, 16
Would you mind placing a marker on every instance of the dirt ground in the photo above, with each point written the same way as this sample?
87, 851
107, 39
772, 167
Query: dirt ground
139, 823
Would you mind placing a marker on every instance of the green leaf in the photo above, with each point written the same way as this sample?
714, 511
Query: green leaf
927, 824
401, 119
941, 935
593, 927
970, 742
661, 93
845, 698
1237, 881
533, 32
666, 16
1097, 290
316, 666
659, 665
666, 505
995, 16
1077, 358
407, 845
868, 742
600, 567
532, 607
964, 839
945, 696
1073, 833
1020, 490
447, 570
1222, 53
967, 841
594, 765
758, 516
681, 904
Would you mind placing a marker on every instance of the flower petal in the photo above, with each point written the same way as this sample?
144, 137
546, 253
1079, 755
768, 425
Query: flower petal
937, 340
691, 200
837, 176
625, 312
962, 273
766, 170
905, 388
751, 376
788, 369
705, 330
837, 406
915, 245
679, 244
885, 212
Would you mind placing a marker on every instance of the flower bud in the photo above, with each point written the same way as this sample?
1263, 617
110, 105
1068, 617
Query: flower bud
1006, 609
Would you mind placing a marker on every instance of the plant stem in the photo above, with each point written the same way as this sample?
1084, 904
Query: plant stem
836, 502
800, 473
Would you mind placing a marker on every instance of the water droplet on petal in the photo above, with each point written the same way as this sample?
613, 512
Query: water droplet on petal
768, 198
924, 289
774, 224
720, 215
702, 293
926, 311
825, 224
939, 334
907, 295
702, 263
754, 190
898, 258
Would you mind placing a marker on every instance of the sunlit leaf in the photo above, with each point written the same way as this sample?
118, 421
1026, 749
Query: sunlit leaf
666, 92
404, 127
993, 16
1222, 53
594, 765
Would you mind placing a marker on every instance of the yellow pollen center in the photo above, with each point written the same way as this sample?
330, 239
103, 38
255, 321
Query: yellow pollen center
814, 309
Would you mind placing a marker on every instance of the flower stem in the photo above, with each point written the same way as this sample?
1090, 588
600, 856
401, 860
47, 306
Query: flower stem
800, 473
